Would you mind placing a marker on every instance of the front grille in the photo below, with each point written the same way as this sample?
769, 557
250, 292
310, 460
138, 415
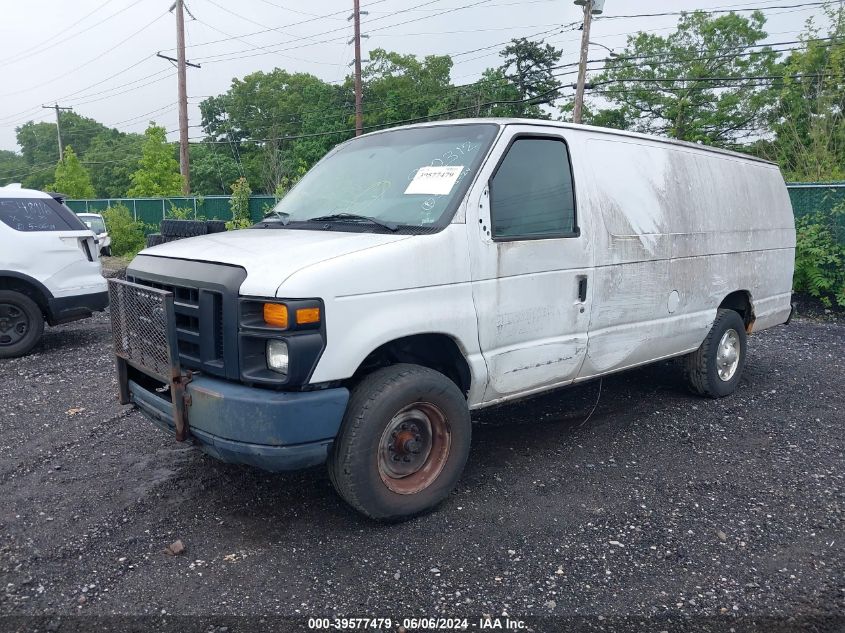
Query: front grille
199, 325
141, 327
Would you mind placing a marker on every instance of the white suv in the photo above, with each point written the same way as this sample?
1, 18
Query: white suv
97, 224
49, 268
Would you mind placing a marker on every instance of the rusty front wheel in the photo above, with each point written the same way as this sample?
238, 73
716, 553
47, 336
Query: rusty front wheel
414, 448
403, 443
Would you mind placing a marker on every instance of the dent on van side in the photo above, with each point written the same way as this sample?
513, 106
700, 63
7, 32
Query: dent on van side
417, 273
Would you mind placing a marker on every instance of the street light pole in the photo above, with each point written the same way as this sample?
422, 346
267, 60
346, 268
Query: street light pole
582, 65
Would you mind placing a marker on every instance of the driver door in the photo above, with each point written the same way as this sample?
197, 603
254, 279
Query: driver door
531, 264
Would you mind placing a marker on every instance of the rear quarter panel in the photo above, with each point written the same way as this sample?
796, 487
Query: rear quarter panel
677, 230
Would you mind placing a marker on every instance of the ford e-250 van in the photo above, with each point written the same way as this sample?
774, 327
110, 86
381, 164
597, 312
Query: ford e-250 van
417, 273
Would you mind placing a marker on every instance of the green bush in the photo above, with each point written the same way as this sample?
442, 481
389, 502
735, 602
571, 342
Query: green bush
239, 203
820, 256
183, 213
127, 235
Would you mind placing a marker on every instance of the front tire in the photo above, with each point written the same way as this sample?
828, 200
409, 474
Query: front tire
21, 324
714, 369
403, 443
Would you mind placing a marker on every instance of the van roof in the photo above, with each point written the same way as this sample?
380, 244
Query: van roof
587, 128
14, 190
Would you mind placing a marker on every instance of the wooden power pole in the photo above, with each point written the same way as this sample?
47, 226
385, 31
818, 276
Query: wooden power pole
58, 109
184, 159
582, 65
359, 113
182, 97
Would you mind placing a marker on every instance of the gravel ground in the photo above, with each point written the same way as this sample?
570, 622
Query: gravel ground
663, 505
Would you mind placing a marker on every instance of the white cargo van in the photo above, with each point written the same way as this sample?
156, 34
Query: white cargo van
417, 273
49, 268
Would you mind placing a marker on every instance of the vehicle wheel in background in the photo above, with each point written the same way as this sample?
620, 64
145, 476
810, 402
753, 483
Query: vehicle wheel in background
21, 324
216, 226
715, 368
106, 252
183, 228
403, 442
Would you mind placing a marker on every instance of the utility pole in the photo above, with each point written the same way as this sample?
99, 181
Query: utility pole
58, 109
181, 63
184, 160
582, 65
359, 113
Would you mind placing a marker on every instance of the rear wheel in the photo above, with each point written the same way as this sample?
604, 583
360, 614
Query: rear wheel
21, 324
403, 443
106, 252
715, 368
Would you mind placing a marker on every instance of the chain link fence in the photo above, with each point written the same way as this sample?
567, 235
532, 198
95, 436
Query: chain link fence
153, 210
809, 197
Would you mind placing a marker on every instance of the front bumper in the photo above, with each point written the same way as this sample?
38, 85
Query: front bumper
66, 309
271, 430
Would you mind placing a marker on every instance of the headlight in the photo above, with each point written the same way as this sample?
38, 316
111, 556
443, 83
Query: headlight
277, 356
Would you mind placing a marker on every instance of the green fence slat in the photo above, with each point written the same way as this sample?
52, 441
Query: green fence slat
806, 197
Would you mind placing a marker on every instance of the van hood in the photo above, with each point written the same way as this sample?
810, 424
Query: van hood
270, 256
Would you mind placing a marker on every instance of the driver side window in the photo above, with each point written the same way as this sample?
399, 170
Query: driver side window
531, 192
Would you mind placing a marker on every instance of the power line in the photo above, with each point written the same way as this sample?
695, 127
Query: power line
97, 58
707, 79
24, 52
711, 11
235, 55
306, 21
54, 43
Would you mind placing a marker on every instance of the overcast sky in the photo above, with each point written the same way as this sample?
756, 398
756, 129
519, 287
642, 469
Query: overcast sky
98, 56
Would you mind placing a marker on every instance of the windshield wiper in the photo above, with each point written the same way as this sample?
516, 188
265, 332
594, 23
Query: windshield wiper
280, 215
354, 217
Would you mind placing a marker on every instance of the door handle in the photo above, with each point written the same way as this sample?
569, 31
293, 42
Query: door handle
582, 289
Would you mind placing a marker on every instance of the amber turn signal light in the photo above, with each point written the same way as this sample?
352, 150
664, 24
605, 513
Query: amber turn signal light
307, 315
276, 314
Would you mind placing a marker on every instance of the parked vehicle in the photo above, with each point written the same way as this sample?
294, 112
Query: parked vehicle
97, 224
418, 273
49, 268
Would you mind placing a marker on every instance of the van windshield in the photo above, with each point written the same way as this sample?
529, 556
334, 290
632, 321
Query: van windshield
411, 178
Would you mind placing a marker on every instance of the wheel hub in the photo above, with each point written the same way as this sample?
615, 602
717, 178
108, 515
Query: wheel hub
414, 448
727, 355
14, 324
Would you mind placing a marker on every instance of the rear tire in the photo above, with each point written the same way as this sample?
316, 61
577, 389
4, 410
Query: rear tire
106, 252
714, 369
21, 324
403, 443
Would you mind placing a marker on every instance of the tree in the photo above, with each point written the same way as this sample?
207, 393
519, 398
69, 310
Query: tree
696, 84
212, 169
529, 66
254, 119
402, 87
71, 177
158, 172
809, 121
112, 158
13, 167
